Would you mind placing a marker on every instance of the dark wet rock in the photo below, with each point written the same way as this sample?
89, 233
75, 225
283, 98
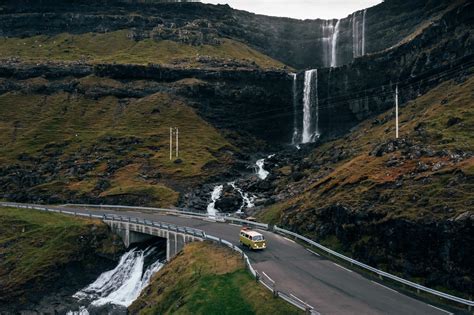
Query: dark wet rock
453, 121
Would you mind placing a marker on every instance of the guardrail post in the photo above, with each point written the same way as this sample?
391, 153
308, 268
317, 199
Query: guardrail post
307, 310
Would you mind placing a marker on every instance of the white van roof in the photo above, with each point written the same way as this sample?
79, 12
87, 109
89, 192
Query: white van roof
251, 233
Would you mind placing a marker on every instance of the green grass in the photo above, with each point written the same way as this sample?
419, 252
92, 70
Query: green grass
207, 279
35, 245
117, 47
80, 127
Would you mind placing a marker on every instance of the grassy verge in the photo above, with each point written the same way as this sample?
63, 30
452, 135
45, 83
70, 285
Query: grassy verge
207, 279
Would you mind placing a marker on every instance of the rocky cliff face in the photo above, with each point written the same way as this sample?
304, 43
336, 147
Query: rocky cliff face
351, 93
300, 44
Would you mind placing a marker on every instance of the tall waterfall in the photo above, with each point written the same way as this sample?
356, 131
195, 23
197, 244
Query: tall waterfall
295, 110
358, 33
334, 37
310, 123
363, 32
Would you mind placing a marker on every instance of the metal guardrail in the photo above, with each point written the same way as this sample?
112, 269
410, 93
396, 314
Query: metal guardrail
380, 273
156, 224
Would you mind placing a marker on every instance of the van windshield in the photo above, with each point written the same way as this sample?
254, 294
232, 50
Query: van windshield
257, 238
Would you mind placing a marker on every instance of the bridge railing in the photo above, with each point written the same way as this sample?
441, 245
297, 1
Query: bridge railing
156, 224
380, 273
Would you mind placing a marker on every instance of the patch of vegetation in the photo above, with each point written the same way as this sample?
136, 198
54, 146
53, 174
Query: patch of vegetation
118, 47
207, 279
36, 246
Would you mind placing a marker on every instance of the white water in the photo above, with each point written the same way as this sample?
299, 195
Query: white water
82, 311
358, 33
310, 130
247, 200
363, 32
334, 37
295, 110
261, 172
122, 285
215, 195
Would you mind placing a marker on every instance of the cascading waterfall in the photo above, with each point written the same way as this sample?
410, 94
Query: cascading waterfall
334, 37
261, 172
363, 32
215, 195
310, 124
295, 110
247, 200
358, 33
122, 285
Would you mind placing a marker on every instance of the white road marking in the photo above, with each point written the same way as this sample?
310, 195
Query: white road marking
440, 309
235, 224
381, 285
268, 277
314, 253
289, 239
343, 267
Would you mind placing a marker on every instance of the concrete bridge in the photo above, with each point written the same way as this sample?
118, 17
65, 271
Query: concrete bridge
138, 231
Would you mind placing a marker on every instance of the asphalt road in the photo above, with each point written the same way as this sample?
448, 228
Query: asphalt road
323, 284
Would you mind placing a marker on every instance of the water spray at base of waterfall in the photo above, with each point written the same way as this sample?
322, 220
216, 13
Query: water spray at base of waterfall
121, 286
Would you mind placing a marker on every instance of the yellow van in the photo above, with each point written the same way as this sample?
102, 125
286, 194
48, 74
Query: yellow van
252, 239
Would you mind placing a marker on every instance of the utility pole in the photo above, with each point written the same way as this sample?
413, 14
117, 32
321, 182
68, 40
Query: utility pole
396, 111
171, 143
177, 141
174, 132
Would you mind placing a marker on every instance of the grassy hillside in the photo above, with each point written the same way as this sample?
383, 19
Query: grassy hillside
74, 145
207, 279
381, 200
37, 249
435, 143
118, 47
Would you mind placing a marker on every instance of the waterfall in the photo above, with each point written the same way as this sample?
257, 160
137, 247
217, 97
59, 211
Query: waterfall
122, 285
261, 172
358, 33
363, 32
334, 37
310, 130
295, 110
247, 201
215, 195
355, 36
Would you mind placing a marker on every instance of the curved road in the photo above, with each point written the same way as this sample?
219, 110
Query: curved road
328, 287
